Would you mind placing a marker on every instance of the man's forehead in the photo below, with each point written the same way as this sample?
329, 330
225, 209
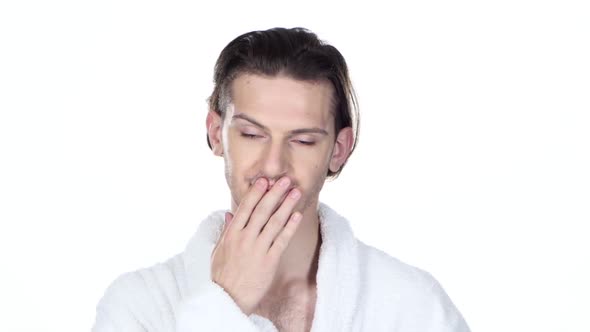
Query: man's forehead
278, 98
255, 87
319, 129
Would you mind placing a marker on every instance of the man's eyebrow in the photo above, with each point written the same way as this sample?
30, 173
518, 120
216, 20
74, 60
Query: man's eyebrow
292, 132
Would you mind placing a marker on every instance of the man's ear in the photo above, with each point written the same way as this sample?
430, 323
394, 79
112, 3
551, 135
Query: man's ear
214, 129
342, 148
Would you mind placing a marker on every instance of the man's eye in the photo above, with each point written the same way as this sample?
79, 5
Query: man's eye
251, 136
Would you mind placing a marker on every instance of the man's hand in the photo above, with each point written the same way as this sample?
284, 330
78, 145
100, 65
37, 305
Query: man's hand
245, 259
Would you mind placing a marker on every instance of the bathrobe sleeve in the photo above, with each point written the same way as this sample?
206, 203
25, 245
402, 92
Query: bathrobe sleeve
444, 315
212, 309
128, 305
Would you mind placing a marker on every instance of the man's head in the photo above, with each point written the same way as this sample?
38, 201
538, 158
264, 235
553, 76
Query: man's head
282, 105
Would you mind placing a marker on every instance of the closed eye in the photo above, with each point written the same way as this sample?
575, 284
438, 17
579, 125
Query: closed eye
306, 143
249, 135
252, 136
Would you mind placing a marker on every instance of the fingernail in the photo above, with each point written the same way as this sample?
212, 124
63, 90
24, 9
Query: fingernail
284, 182
295, 193
261, 183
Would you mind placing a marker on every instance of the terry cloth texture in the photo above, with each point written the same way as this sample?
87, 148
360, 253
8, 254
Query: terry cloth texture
359, 288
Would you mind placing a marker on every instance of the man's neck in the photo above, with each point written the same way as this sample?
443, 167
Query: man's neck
299, 262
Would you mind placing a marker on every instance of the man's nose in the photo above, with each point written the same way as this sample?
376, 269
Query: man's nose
275, 163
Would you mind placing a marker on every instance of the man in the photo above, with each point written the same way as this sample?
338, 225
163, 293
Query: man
282, 115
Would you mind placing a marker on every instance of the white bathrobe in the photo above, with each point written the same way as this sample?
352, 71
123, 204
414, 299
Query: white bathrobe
359, 288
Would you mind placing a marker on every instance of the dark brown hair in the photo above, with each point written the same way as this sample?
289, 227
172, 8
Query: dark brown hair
297, 53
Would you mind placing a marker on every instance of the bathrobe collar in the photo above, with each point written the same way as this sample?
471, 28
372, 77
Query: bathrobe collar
338, 277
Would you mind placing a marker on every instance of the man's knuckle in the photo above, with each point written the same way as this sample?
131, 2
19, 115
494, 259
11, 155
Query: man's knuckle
280, 242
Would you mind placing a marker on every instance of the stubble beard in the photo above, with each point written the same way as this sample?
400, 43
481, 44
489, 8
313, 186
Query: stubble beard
305, 202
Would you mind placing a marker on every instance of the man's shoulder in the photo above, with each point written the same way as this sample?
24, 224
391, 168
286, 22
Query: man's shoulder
389, 271
164, 283
145, 290
151, 278
411, 294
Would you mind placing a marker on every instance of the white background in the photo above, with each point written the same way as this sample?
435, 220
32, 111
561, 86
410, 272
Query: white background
473, 160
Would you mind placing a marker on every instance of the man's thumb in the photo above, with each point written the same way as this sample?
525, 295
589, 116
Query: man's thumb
228, 218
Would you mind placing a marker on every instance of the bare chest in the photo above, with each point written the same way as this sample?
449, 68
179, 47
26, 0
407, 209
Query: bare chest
293, 315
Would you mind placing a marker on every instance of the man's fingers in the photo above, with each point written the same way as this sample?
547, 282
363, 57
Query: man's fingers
282, 240
248, 204
278, 220
267, 206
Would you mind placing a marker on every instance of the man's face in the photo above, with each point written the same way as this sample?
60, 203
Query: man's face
274, 127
